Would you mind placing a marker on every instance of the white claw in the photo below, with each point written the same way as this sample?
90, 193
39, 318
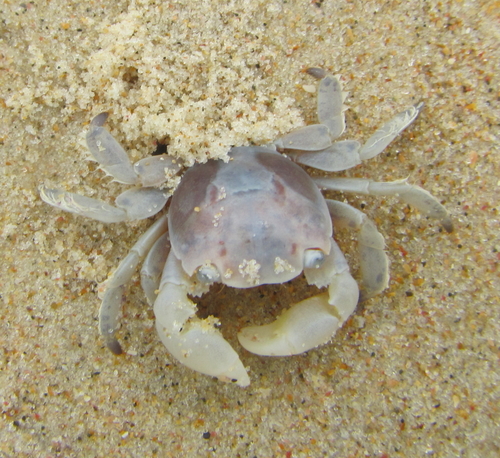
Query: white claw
196, 343
313, 321
304, 326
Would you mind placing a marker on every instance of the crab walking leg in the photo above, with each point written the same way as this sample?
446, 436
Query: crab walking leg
389, 131
138, 203
346, 154
313, 321
155, 170
109, 153
81, 205
112, 158
152, 267
194, 342
330, 102
330, 115
141, 203
411, 194
341, 155
309, 138
112, 300
374, 262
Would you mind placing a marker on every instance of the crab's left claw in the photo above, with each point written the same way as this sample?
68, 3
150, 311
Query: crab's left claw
194, 342
313, 321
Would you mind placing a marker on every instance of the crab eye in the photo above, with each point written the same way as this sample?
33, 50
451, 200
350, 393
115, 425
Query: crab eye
313, 258
207, 273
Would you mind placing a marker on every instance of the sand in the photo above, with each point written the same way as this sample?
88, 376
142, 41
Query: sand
414, 373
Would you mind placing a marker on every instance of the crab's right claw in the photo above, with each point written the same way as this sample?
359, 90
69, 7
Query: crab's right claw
196, 343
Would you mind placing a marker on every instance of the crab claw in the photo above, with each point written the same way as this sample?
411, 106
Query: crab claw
313, 321
194, 342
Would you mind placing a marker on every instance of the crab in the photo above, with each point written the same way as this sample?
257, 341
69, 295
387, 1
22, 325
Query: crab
256, 219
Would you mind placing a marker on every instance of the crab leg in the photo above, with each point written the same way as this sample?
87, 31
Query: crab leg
137, 203
348, 153
133, 204
196, 343
340, 156
374, 262
408, 193
108, 152
152, 267
389, 131
331, 105
113, 159
81, 205
313, 321
309, 138
330, 101
331, 120
112, 300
